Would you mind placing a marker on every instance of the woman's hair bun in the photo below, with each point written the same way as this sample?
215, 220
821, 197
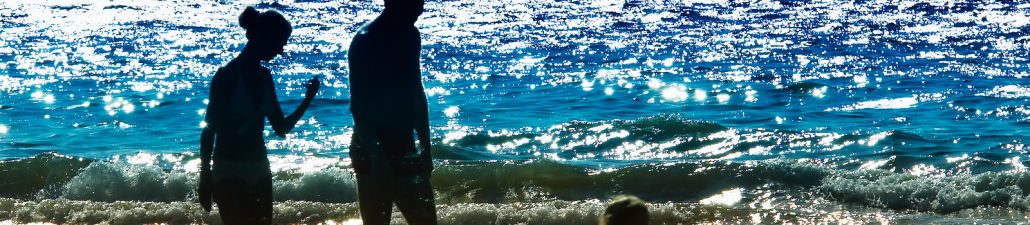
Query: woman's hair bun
248, 18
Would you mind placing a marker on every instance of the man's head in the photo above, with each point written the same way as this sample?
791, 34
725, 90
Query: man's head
625, 210
405, 11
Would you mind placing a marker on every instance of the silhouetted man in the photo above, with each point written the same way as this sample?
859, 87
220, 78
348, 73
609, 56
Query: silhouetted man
389, 104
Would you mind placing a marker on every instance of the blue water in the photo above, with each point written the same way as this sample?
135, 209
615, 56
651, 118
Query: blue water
860, 109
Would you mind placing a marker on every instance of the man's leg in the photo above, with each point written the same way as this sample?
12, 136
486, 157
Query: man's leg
374, 199
414, 198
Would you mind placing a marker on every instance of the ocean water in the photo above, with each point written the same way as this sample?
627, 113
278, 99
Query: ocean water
761, 111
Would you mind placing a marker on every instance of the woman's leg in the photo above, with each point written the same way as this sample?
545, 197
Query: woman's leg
263, 203
245, 200
228, 195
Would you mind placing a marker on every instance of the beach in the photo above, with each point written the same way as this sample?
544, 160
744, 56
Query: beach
714, 112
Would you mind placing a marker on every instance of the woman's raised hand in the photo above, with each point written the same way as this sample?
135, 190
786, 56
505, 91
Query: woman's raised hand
312, 86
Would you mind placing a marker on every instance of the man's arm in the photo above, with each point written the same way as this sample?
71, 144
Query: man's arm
422, 127
205, 188
421, 111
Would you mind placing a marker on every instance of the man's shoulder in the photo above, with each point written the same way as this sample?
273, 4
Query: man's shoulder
366, 30
360, 36
220, 74
362, 42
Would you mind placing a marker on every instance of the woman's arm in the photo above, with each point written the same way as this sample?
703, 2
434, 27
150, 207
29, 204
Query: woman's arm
212, 119
283, 125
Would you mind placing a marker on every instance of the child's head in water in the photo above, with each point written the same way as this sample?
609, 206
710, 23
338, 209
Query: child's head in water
625, 210
267, 32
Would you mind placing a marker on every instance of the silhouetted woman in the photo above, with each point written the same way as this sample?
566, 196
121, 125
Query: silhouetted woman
242, 95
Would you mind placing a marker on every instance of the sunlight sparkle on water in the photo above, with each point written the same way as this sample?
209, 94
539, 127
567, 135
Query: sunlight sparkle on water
451, 111
874, 164
923, 169
45, 97
345, 222
819, 92
956, 158
861, 80
723, 98
727, 198
141, 158
675, 93
897, 103
113, 106
453, 136
700, 95
875, 138
128, 108
1008, 91
749, 96
49, 99
4, 129
1017, 165
587, 85
654, 84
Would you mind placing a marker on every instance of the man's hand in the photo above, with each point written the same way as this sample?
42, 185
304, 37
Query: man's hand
205, 189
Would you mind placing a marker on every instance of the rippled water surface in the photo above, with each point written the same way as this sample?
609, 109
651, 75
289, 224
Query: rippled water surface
717, 111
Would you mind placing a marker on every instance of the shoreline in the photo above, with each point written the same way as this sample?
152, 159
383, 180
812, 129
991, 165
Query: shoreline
62, 211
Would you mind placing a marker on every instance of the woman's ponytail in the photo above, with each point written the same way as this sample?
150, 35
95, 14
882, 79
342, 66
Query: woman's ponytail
248, 18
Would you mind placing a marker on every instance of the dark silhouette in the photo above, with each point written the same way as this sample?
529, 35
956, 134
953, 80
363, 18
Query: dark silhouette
625, 210
389, 104
242, 95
